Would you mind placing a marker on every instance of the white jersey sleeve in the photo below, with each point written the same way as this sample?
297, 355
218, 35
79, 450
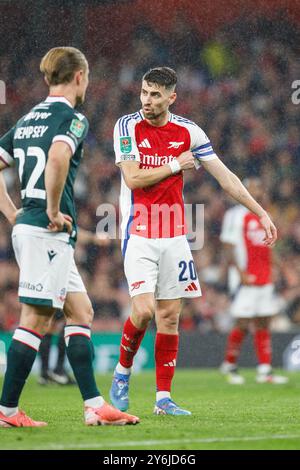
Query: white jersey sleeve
124, 140
231, 227
200, 144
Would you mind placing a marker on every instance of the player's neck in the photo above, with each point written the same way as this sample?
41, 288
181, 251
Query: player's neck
65, 92
160, 121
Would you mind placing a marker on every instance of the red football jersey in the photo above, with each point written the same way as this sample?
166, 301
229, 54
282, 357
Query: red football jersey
156, 211
243, 229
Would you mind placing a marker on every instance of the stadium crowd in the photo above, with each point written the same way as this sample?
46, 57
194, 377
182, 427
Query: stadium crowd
238, 89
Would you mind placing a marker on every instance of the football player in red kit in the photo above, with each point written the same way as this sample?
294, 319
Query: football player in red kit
153, 147
250, 281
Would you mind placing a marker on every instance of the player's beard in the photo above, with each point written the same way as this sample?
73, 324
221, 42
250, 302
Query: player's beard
153, 116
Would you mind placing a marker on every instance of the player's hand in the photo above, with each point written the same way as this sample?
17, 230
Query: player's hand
270, 230
186, 160
102, 239
13, 218
59, 221
247, 279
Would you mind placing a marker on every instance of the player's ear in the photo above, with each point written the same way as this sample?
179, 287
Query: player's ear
78, 77
172, 98
46, 81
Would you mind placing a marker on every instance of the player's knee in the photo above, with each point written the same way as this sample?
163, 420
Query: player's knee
168, 318
87, 315
243, 324
36, 318
143, 313
78, 309
90, 315
263, 322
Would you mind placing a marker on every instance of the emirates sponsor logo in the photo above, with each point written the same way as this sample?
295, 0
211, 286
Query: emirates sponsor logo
156, 160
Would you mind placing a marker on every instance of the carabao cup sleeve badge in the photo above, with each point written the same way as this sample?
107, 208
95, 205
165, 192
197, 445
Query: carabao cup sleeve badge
125, 144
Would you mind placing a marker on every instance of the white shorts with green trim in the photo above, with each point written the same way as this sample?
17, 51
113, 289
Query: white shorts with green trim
47, 267
163, 266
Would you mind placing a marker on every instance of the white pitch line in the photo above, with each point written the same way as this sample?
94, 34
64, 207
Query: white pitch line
208, 440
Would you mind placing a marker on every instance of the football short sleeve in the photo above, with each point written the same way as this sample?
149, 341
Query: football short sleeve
201, 146
125, 146
231, 227
7, 148
72, 131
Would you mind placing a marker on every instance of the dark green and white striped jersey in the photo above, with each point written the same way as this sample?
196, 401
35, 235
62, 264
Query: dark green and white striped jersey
27, 145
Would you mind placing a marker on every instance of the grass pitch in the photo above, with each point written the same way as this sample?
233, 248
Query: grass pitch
251, 416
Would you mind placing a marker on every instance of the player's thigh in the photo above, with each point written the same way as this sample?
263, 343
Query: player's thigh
168, 308
78, 309
178, 277
245, 302
44, 263
141, 260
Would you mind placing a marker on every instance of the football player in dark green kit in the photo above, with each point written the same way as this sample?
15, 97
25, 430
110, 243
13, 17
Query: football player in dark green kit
46, 147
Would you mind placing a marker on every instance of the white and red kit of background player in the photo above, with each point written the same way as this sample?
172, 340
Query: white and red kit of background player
243, 230
157, 256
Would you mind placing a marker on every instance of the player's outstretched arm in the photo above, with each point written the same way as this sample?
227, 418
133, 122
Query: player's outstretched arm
56, 172
7, 206
86, 237
135, 177
233, 186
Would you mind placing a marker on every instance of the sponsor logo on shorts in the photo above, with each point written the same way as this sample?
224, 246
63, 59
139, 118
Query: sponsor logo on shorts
191, 287
26, 285
136, 285
51, 254
62, 295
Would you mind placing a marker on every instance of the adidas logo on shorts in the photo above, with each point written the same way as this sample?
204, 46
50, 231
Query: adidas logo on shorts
191, 287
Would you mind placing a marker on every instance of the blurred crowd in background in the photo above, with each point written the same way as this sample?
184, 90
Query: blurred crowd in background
237, 87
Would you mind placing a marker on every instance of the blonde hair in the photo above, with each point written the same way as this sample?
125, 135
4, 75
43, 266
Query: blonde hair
60, 64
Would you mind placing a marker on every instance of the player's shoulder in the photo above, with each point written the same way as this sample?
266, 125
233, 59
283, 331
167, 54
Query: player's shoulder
182, 121
197, 134
124, 123
70, 113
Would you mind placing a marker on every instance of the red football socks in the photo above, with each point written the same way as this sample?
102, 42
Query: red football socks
234, 343
166, 349
262, 342
130, 343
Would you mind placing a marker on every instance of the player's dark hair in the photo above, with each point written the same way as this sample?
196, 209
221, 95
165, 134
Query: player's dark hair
60, 64
163, 76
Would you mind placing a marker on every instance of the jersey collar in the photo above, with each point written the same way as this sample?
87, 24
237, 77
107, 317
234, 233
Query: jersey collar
58, 99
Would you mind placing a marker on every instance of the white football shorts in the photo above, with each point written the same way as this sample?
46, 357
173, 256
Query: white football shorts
163, 266
254, 301
47, 266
